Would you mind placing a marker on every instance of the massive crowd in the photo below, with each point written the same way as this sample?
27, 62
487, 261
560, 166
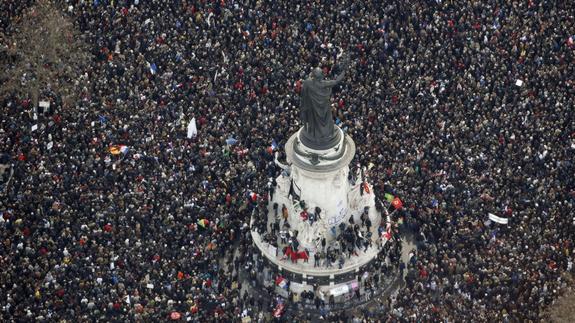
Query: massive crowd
463, 109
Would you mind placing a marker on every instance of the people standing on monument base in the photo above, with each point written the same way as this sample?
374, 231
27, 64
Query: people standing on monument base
463, 109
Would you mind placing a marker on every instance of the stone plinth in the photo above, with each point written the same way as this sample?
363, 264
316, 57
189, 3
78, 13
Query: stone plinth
321, 179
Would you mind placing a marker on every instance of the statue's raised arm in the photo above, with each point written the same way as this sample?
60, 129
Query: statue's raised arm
343, 67
318, 130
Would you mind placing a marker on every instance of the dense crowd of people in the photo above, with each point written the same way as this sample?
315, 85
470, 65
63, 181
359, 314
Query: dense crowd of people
461, 109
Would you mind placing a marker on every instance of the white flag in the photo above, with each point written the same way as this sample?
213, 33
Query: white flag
498, 219
192, 129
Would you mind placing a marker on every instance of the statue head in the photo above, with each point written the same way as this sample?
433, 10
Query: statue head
317, 73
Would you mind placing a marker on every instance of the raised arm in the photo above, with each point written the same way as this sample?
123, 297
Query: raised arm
340, 76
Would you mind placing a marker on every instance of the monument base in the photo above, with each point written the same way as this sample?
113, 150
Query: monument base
320, 178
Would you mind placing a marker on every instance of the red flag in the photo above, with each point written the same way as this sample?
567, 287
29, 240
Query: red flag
387, 235
279, 279
366, 187
397, 204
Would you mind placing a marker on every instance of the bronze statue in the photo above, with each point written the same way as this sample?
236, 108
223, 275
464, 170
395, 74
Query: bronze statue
318, 130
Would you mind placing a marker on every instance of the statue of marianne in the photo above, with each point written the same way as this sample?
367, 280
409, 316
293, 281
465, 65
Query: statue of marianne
318, 126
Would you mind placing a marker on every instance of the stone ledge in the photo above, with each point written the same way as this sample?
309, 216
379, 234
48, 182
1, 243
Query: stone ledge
303, 163
319, 272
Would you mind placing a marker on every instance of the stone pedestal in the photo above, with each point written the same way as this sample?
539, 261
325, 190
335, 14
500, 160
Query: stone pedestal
321, 179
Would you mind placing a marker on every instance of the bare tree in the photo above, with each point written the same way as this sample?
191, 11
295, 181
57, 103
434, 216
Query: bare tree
44, 52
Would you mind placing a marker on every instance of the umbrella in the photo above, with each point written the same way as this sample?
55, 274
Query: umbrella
203, 223
231, 141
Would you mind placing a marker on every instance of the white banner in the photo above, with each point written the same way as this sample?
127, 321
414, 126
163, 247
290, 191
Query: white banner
340, 290
341, 211
273, 250
497, 219
192, 129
